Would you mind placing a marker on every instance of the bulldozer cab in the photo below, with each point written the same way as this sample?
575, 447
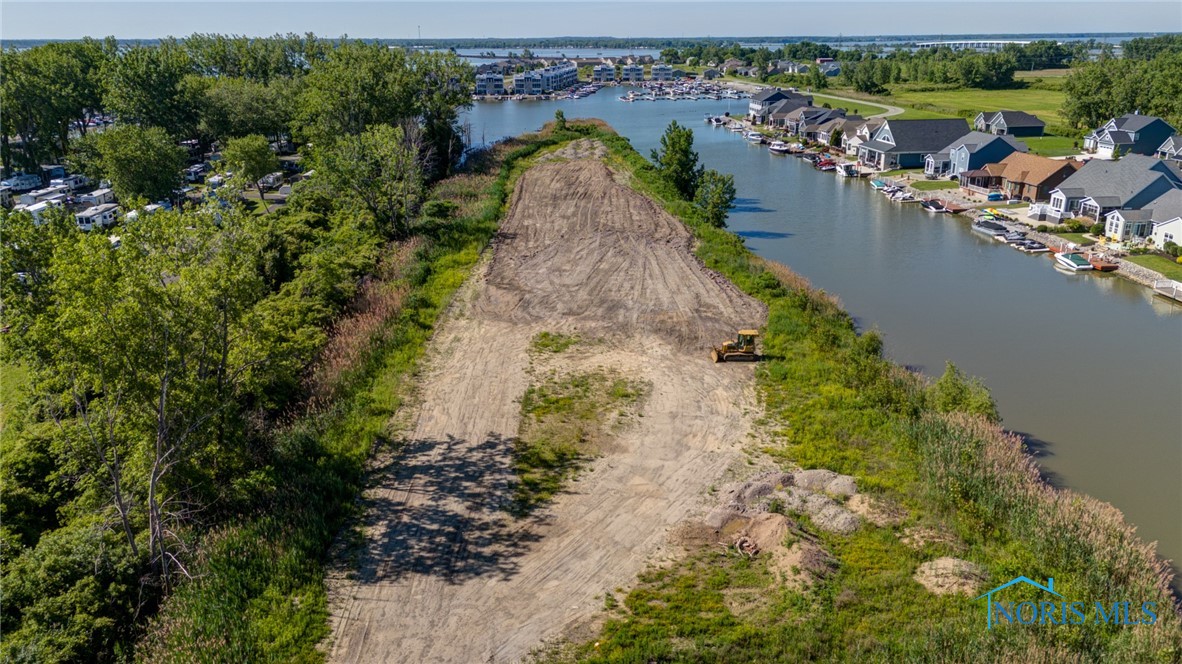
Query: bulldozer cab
743, 347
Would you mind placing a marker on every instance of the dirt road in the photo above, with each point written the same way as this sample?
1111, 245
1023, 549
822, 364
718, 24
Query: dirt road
446, 575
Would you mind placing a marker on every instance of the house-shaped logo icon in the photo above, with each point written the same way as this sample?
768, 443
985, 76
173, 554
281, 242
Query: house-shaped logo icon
988, 597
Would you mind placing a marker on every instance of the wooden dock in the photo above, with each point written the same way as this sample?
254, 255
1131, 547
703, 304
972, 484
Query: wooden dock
1168, 288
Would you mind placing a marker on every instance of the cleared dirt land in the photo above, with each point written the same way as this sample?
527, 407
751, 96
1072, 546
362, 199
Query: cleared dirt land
445, 573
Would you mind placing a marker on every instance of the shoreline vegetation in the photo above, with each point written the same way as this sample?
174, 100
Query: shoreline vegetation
932, 449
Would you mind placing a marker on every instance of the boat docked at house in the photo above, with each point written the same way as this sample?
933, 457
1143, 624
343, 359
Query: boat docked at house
934, 205
989, 228
779, 147
1073, 262
753, 137
735, 127
848, 170
1031, 247
878, 185
1101, 263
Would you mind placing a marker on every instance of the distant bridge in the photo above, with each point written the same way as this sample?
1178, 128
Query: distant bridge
975, 44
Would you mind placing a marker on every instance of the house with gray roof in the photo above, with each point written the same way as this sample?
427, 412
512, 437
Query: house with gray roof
970, 152
905, 143
1131, 133
1128, 183
1171, 148
858, 134
1009, 123
780, 112
1160, 219
760, 106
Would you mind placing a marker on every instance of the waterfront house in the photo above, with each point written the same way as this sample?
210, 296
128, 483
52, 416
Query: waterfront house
603, 73
1009, 123
970, 152
861, 132
826, 131
1171, 149
760, 106
778, 114
1131, 133
99, 216
490, 84
661, 72
710, 74
830, 68
632, 73
813, 120
1028, 177
1101, 186
905, 143
1157, 219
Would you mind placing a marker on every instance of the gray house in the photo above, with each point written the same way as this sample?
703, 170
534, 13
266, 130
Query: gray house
1131, 133
970, 152
1171, 149
760, 106
1009, 123
905, 143
1101, 186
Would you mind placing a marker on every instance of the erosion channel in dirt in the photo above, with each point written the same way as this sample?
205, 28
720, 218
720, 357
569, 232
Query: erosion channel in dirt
446, 573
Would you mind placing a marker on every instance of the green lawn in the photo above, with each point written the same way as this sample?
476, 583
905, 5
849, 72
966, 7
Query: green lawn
1168, 268
1052, 146
934, 185
1078, 238
1046, 104
898, 172
858, 108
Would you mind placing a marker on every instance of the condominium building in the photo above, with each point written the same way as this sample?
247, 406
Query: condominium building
490, 84
632, 73
662, 72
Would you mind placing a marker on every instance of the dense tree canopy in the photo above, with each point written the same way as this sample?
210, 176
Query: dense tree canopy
140, 162
1111, 87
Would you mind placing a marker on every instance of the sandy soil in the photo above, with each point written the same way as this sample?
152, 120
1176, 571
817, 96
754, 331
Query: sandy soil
446, 575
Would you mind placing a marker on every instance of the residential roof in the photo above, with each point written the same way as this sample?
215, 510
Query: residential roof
924, 136
975, 140
1171, 144
1018, 119
1123, 180
1030, 168
769, 94
1134, 121
1167, 206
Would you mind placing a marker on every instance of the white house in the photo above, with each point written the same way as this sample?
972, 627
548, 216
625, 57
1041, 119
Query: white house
661, 72
1166, 231
1157, 219
98, 197
603, 73
99, 216
632, 73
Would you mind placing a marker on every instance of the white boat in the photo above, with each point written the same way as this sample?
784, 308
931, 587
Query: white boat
779, 147
989, 228
848, 170
1073, 262
753, 137
735, 127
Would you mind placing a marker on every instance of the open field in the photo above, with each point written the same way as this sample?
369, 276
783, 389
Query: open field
447, 573
864, 109
1046, 104
1168, 268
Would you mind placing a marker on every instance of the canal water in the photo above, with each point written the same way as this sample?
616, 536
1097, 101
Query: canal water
1088, 366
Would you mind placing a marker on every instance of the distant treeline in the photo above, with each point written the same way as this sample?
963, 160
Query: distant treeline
1147, 79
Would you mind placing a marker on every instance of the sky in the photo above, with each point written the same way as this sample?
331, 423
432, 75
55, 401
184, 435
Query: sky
51, 19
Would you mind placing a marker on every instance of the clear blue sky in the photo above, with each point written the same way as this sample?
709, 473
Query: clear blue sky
49, 19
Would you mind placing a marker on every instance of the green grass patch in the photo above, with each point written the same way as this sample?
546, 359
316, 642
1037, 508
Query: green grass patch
1168, 267
1052, 146
863, 108
550, 342
899, 172
565, 419
934, 185
1078, 238
967, 102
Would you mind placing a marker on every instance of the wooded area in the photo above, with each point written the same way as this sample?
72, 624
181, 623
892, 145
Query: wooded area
169, 365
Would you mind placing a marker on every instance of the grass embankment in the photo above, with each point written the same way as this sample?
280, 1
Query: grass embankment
834, 402
934, 185
1079, 238
564, 418
1169, 268
258, 593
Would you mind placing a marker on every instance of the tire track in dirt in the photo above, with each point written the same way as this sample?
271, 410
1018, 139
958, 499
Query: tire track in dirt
445, 574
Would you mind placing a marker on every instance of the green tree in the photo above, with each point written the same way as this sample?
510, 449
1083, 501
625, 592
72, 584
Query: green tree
154, 87
139, 162
835, 138
715, 196
817, 78
250, 157
380, 169
560, 120
234, 107
677, 162
955, 392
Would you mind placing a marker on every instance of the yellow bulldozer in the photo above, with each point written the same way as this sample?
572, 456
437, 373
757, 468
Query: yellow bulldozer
742, 348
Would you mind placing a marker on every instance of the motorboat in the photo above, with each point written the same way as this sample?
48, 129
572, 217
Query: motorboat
1073, 262
934, 205
1012, 237
1032, 247
989, 228
848, 170
753, 137
779, 147
877, 184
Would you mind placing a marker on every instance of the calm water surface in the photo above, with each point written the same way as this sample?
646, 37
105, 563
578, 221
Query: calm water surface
1088, 366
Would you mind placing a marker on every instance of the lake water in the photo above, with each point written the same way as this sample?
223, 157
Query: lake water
1088, 366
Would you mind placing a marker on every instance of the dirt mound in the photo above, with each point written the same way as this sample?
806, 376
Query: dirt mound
945, 576
446, 575
876, 511
579, 249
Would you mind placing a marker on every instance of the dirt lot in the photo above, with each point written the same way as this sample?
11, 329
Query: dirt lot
446, 575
